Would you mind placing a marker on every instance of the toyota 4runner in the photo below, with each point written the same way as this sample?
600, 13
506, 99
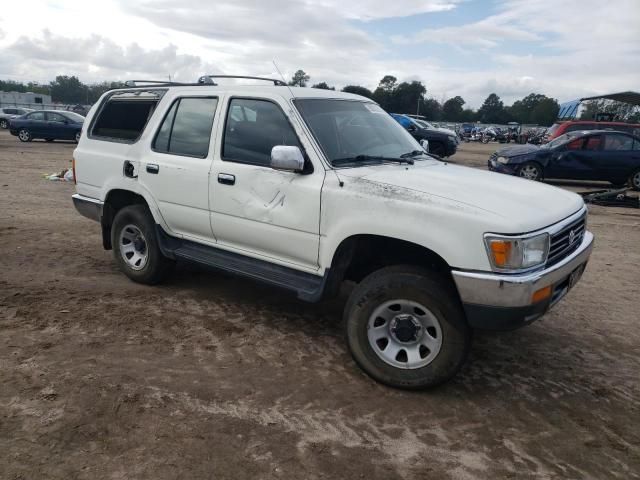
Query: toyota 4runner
305, 188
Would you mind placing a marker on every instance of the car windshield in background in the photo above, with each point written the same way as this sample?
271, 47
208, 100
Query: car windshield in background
73, 116
352, 132
561, 139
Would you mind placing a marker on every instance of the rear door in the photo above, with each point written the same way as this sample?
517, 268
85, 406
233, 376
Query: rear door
37, 124
176, 167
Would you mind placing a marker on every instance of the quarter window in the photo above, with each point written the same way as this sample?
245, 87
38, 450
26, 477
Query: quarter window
186, 129
252, 129
123, 119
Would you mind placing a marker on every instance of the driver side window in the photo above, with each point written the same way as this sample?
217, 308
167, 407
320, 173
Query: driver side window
253, 127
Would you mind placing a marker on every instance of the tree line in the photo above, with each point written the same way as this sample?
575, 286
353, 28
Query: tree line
393, 96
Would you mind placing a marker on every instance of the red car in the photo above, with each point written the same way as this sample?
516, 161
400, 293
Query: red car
560, 128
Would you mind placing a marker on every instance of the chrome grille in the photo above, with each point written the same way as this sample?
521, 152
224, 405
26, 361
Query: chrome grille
561, 242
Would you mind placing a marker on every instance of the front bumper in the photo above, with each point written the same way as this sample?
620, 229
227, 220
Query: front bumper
494, 301
495, 166
88, 207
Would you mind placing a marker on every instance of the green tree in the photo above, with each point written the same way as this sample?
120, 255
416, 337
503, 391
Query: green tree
493, 111
452, 109
323, 86
535, 108
407, 97
299, 79
358, 90
431, 109
385, 91
67, 89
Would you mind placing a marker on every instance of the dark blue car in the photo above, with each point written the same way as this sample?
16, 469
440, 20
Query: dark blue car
48, 124
591, 155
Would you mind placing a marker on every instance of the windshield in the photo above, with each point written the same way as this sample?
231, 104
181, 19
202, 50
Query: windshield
353, 132
561, 139
424, 124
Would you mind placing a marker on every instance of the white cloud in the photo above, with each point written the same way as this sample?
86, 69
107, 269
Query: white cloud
566, 49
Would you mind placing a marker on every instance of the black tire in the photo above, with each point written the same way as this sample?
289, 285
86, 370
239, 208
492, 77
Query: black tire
531, 171
437, 149
4, 123
76, 137
24, 135
634, 180
416, 285
48, 140
157, 266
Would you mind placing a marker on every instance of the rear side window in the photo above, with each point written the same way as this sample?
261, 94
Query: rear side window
36, 116
123, 120
186, 129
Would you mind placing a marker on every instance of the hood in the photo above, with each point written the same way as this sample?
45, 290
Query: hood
447, 131
515, 150
522, 205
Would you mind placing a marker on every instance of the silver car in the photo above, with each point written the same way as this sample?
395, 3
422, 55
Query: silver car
7, 113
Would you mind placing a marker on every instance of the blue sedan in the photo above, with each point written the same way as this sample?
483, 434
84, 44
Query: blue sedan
592, 155
47, 124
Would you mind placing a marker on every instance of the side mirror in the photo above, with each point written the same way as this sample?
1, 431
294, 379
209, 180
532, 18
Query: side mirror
424, 143
288, 158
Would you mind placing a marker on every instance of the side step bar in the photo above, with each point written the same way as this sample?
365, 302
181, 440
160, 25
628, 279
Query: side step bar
307, 286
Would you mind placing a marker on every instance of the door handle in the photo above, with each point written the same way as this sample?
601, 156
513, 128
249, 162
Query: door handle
226, 179
153, 168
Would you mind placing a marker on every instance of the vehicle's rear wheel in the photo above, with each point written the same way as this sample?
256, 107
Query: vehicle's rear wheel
24, 135
406, 328
530, 171
135, 246
4, 123
634, 180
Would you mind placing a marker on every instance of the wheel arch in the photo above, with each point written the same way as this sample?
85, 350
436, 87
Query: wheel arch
114, 201
360, 255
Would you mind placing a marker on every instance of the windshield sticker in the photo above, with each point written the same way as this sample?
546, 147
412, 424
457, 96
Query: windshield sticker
372, 107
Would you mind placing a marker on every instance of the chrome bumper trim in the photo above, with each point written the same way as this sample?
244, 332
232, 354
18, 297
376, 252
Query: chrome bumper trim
500, 290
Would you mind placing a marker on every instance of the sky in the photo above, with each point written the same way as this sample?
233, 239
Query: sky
565, 49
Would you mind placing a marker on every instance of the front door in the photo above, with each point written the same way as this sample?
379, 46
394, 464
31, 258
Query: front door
255, 209
37, 124
175, 170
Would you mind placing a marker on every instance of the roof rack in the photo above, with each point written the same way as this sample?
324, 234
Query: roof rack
208, 79
134, 83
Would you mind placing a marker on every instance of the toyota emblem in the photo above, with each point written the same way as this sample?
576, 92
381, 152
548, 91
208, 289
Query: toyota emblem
572, 237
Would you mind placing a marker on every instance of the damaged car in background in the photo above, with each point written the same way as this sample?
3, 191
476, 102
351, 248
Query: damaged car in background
591, 155
303, 189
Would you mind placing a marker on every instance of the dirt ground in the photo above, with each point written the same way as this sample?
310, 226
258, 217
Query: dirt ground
214, 377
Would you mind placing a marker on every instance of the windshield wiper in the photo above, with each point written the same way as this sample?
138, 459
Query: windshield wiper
365, 158
414, 153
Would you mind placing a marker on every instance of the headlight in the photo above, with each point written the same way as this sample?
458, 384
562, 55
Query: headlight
503, 160
511, 253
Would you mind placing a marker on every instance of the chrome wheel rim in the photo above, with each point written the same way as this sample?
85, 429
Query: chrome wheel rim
529, 172
133, 247
404, 334
4, 123
24, 135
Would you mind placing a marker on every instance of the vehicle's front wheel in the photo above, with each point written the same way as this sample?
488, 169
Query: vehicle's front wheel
4, 123
135, 246
406, 328
24, 135
634, 180
530, 171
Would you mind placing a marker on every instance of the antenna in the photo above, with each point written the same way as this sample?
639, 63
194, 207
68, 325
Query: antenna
282, 76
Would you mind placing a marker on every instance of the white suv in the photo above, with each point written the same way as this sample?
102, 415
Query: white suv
304, 188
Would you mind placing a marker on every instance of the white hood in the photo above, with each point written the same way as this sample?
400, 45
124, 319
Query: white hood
524, 205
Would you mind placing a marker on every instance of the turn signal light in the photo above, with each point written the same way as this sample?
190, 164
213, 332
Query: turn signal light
542, 294
501, 251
